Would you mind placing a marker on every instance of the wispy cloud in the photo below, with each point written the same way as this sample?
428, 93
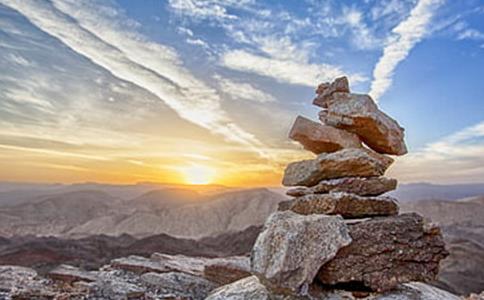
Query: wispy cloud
128, 56
459, 156
285, 71
242, 90
405, 36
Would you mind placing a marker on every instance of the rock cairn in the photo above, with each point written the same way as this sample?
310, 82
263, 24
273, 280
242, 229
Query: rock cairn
339, 232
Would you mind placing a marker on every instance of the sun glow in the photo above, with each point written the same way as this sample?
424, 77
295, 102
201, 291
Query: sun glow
197, 174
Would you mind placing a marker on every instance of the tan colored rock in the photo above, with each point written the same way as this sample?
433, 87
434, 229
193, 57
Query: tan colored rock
291, 248
385, 252
344, 204
360, 115
325, 90
363, 186
352, 162
227, 270
319, 138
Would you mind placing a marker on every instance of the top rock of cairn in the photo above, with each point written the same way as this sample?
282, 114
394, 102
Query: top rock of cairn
360, 115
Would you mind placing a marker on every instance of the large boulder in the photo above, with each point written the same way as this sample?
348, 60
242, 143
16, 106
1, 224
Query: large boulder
291, 248
363, 186
319, 138
387, 251
352, 162
359, 114
344, 204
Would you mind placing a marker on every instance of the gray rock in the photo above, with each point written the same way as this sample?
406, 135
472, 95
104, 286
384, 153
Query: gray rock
385, 252
179, 284
360, 115
344, 204
291, 248
71, 274
363, 186
319, 138
249, 288
351, 162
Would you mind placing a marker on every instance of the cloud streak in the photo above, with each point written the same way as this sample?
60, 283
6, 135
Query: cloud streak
284, 71
457, 156
404, 37
128, 56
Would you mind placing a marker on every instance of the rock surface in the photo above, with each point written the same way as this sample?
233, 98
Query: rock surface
319, 138
387, 251
343, 163
224, 271
360, 115
291, 248
326, 90
344, 204
249, 288
363, 186
180, 285
71, 274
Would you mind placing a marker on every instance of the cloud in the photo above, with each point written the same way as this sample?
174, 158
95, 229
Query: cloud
92, 31
459, 156
285, 71
405, 36
207, 9
471, 34
243, 91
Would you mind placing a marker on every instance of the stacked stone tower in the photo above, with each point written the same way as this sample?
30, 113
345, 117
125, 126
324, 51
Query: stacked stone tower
339, 232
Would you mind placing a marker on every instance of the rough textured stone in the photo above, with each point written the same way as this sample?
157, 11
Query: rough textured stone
291, 248
248, 288
319, 138
71, 274
227, 270
344, 204
363, 186
359, 114
343, 163
387, 251
325, 90
181, 285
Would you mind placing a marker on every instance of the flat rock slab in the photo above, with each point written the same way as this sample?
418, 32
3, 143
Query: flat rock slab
71, 274
360, 115
385, 252
353, 162
291, 248
180, 285
227, 270
363, 186
344, 204
319, 138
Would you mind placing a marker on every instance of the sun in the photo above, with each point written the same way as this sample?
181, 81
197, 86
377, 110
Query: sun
198, 174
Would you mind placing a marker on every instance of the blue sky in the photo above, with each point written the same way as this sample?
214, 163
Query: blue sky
135, 83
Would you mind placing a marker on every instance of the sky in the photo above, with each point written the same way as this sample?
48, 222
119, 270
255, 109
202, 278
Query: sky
205, 91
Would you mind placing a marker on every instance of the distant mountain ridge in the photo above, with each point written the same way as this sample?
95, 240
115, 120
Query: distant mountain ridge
192, 212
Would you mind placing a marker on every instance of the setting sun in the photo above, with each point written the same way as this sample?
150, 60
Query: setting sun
198, 174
